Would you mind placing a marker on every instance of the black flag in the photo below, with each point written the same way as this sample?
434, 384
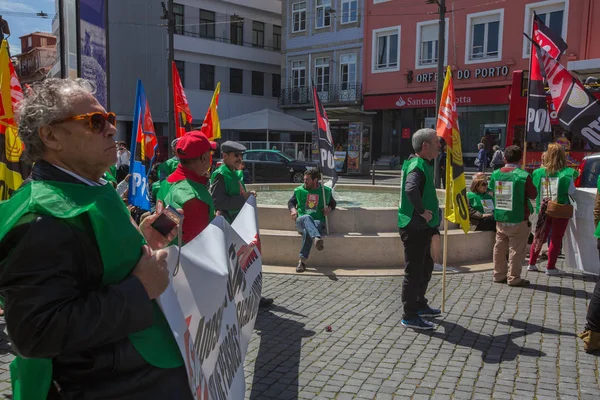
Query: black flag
578, 110
538, 116
325, 139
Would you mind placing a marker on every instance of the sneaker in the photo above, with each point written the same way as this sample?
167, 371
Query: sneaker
301, 266
438, 267
553, 271
265, 302
429, 312
532, 268
318, 242
417, 323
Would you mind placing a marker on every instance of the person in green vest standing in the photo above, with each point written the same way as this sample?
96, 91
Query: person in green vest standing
168, 167
554, 181
226, 187
79, 280
591, 334
418, 218
513, 188
188, 185
309, 209
227, 190
481, 204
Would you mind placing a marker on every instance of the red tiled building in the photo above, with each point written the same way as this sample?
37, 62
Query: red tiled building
38, 55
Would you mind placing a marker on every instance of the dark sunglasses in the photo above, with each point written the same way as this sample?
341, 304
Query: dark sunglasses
96, 120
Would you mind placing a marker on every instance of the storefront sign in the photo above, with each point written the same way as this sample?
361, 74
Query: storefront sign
461, 74
472, 97
405, 133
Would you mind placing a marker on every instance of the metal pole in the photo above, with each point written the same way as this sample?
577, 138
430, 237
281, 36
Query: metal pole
171, 32
440, 75
373, 173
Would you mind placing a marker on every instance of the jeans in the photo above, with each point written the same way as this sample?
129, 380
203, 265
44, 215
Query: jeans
310, 229
593, 313
417, 271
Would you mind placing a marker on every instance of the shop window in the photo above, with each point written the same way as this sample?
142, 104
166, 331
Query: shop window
553, 13
349, 11
207, 24
386, 49
322, 13
484, 36
299, 17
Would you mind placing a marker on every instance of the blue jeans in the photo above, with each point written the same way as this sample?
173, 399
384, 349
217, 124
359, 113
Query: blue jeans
310, 229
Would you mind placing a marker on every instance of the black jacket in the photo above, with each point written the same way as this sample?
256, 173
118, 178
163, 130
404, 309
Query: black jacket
56, 307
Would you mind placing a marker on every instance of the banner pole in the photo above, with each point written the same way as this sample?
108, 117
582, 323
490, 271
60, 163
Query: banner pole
325, 205
444, 262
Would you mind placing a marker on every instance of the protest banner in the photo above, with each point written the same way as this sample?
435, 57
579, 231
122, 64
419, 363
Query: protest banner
212, 303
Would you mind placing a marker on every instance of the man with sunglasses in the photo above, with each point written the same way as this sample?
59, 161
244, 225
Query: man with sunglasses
227, 189
79, 280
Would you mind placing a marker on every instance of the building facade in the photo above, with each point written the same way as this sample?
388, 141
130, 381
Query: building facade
323, 45
484, 45
38, 55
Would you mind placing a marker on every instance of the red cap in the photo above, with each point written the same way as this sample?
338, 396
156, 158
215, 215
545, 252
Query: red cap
192, 145
213, 145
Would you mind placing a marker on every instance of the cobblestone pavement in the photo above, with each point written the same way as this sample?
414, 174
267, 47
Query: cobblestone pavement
493, 341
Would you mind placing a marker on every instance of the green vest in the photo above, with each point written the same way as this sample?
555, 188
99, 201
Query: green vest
509, 195
109, 177
536, 176
155, 188
100, 211
167, 168
310, 202
233, 186
597, 233
429, 198
162, 191
240, 174
559, 186
484, 203
185, 190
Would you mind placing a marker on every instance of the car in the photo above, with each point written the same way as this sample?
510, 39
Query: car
589, 169
275, 166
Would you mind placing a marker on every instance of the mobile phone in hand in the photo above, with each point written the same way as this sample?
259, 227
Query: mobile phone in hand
168, 220
122, 187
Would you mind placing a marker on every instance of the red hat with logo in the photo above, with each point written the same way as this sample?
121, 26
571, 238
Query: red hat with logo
192, 145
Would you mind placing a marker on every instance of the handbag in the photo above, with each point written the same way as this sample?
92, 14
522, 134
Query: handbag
555, 209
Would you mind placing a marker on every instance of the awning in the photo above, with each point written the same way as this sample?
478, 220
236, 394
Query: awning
266, 120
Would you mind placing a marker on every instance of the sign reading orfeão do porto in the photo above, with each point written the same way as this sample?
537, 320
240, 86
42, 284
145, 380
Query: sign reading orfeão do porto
461, 74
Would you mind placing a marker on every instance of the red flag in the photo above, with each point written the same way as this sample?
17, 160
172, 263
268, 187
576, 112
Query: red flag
183, 115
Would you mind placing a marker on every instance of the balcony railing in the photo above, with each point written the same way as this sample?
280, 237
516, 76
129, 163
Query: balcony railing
328, 94
228, 40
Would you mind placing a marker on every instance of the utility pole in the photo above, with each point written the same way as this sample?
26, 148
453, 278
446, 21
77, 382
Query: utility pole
168, 15
440, 71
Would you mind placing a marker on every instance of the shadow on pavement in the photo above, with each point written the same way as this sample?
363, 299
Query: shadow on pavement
559, 290
494, 349
277, 363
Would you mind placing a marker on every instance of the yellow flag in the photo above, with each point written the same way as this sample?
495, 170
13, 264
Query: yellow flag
457, 209
212, 126
12, 170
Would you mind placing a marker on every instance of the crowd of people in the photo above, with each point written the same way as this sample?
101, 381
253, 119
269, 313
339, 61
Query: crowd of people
79, 293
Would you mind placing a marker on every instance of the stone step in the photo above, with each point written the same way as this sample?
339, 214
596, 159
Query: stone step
340, 221
364, 250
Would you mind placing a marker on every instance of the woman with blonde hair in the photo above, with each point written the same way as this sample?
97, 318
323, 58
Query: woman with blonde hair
481, 204
554, 183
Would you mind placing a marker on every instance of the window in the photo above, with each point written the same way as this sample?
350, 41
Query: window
179, 20
322, 74
348, 71
349, 11
299, 17
276, 37
275, 85
386, 49
29, 42
258, 83
484, 36
553, 13
236, 80
322, 14
258, 34
207, 77
43, 41
207, 24
427, 44
180, 65
298, 74
236, 31
274, 157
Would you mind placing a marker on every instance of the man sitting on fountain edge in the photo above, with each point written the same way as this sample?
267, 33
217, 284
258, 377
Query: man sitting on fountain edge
307, 208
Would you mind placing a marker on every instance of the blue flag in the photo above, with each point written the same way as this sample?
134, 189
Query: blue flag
143, 150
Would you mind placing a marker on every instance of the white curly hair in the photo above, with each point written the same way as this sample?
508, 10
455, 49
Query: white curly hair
48, 101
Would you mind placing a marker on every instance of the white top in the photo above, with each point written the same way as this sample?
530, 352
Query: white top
123, 157
88, 182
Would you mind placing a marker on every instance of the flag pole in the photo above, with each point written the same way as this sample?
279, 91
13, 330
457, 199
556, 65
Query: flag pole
449, 184
527, 104
324, 200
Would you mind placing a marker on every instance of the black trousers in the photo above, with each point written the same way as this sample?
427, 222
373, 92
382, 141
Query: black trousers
418, 269
593, 314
